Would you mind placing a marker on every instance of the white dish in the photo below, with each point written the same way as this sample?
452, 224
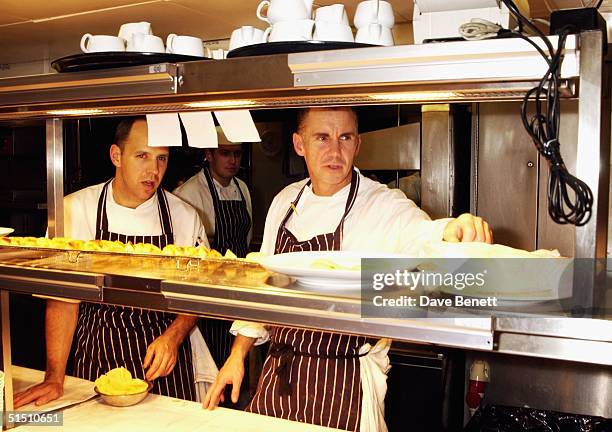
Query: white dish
298, 266
5, 231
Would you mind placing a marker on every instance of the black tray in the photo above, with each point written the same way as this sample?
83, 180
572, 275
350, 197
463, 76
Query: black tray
288, 47
114, 59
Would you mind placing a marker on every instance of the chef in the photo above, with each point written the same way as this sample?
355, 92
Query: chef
223, 202
329, 379
131, 207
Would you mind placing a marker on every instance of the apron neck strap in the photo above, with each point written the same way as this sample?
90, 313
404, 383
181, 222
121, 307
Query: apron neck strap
162, 207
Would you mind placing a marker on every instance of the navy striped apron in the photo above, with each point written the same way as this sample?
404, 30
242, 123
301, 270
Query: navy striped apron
312, 376
112, 336
232, 220
232, 225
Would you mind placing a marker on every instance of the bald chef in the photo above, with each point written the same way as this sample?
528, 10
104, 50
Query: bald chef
223, 202
131, 207
330, 379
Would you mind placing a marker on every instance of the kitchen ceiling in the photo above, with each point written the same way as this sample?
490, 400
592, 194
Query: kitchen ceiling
37, 29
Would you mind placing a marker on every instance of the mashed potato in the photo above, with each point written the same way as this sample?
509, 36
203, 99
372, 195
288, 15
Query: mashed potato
119, 381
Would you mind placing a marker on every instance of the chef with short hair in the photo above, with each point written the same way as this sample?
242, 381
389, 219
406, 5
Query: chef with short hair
319, 377
130, 207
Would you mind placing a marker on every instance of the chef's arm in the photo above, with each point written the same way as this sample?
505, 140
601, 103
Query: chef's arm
60, 322
232, 373
162, 353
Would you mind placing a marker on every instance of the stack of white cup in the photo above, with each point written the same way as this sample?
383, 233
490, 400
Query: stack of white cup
246, 35
289, 20
139, 37
331, 24
374, 20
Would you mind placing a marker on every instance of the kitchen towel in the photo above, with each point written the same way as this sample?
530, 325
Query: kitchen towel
204, 368
373, 373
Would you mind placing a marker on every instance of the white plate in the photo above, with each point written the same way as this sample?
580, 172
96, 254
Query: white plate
5, 231
298, 266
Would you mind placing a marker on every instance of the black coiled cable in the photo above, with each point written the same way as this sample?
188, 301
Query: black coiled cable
570, 200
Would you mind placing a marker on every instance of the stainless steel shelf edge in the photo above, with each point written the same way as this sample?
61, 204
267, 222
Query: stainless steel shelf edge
574, 328
111, 83
426, 331
584, 351
59, 283
486, 60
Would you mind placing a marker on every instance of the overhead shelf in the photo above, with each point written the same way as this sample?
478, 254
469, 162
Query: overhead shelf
488, 70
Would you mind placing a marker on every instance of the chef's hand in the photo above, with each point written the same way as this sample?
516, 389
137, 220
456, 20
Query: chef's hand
40, 394
232, 373
161, 357
468, 228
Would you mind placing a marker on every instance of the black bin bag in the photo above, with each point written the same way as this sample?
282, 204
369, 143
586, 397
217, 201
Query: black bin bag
499, 418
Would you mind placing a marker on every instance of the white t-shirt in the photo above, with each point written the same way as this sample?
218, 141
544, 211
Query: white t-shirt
381, 220
80, 211
196, 192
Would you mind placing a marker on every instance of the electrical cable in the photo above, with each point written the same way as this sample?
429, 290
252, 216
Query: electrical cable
570, 200
479, 29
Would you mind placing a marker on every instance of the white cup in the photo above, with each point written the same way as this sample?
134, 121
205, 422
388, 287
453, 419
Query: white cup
331, 31
300, 30
128, 29
375, 34
333, 13
284, 10
374, 12
187, 45
246, 35
217, 54
98, 43
145, 43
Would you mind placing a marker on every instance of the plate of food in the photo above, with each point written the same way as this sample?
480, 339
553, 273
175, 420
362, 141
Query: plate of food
513, 276
324, 270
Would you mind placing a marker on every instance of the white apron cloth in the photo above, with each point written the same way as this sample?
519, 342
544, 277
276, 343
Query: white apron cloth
373, 373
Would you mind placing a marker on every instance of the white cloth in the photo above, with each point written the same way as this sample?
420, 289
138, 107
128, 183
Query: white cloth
196, 192
204, 368
251, 329
373, 373
80, 211
381, 220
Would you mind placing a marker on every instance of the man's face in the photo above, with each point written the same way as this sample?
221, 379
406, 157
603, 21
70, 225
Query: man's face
224, 161
139, 167
329, 141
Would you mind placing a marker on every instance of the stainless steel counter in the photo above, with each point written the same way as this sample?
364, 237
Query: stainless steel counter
238, 290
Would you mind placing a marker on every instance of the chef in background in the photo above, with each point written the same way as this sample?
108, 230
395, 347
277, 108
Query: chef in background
331, 379
131, 207
223, 202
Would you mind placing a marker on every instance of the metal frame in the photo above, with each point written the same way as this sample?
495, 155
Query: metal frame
55, 177
593, 139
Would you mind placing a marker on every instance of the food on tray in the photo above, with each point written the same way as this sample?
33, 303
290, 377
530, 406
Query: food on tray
230, 255
112, 246
119, 381
255, 257
327, 264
